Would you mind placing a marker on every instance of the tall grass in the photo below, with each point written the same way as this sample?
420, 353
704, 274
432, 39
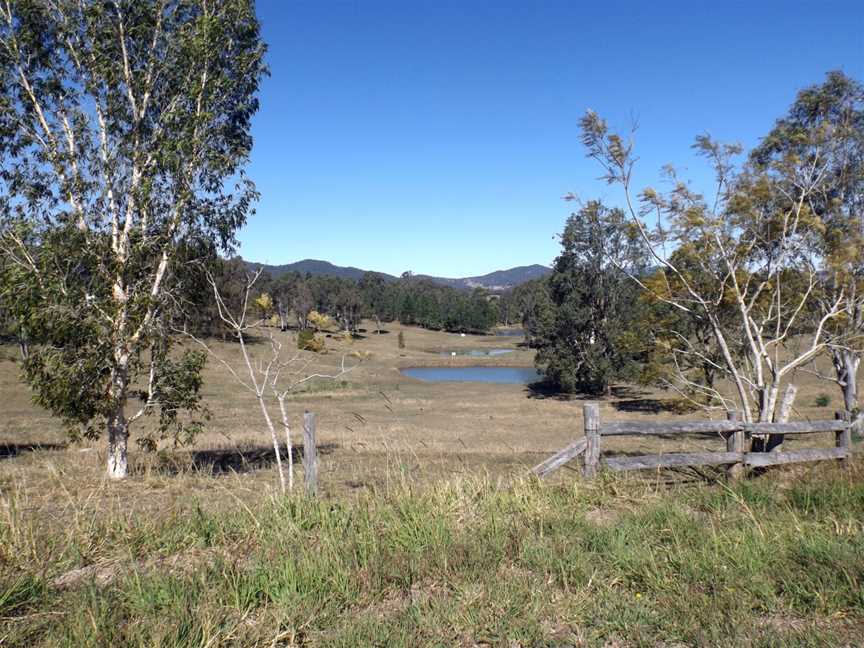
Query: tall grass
760, 563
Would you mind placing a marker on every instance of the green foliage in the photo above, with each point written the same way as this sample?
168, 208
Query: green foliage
374, 292
70, 353
822, 400
304, 337
175, 395
119, 124
528, 304
308, 341
769, 258
411, 300
668, 326
824, 129
589, 337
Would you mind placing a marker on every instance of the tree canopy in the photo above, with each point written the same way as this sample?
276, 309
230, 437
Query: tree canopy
760, 272
124, 131
588, 343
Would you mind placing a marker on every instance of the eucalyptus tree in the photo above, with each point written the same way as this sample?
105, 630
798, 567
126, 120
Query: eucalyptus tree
348, 307
759, 240
587, 344
826, 122
124, 131
302, 303
373, 287
687, 355
535, 308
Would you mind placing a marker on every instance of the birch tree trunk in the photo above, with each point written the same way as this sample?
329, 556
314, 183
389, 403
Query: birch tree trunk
118, 425
274, 439
846, 364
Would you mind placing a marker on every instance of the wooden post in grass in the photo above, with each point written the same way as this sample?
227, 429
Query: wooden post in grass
735, 443
310, 454
591, 417
843, 438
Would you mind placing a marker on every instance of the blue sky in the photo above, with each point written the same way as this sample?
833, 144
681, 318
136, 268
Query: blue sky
439, 137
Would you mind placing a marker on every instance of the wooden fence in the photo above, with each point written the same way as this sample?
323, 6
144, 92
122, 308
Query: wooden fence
732, 430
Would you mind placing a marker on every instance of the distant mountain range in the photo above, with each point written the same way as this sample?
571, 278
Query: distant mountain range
498, 280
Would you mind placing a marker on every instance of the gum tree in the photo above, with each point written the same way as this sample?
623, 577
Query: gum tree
757, 240
826, 122
121, 123
588, 343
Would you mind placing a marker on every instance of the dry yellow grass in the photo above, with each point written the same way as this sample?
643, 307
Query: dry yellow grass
374, 424
410, 543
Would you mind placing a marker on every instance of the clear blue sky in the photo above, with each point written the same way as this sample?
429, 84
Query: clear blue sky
439, 137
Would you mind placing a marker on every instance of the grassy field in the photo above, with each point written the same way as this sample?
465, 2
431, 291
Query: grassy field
371, 422
772, 562
427, 532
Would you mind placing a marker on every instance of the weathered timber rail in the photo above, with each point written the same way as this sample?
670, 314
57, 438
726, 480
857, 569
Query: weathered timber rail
735, 433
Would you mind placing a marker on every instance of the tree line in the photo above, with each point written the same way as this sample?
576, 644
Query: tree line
290, 298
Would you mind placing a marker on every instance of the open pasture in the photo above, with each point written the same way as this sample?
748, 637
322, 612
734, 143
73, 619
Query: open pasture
428, 531
374, 424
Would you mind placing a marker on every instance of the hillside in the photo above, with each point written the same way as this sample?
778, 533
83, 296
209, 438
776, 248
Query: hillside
314, 267
498, 280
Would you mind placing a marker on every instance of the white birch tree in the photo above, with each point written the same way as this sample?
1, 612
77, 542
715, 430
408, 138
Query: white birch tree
121, 123
272, 377
756, 243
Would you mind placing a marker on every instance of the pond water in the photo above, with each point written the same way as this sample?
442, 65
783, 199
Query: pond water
510, 332
497, 375
477, 353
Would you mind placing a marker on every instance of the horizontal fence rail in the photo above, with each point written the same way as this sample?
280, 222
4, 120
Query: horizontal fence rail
733, 431
650, 428
759, 459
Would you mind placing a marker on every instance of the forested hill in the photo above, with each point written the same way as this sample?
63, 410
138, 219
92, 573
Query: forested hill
315, 268
498, 280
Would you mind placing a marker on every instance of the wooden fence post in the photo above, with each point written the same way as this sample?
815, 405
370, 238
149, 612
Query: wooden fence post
843, 438
735, 443
591, 417
310, 454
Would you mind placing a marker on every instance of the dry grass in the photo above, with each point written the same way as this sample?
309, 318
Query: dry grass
373, 424
426, 534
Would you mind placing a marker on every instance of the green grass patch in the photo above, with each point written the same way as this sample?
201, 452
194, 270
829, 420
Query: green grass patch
760, 563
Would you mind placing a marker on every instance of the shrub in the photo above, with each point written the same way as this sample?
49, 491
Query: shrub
320, 322
308, 341
823, 400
